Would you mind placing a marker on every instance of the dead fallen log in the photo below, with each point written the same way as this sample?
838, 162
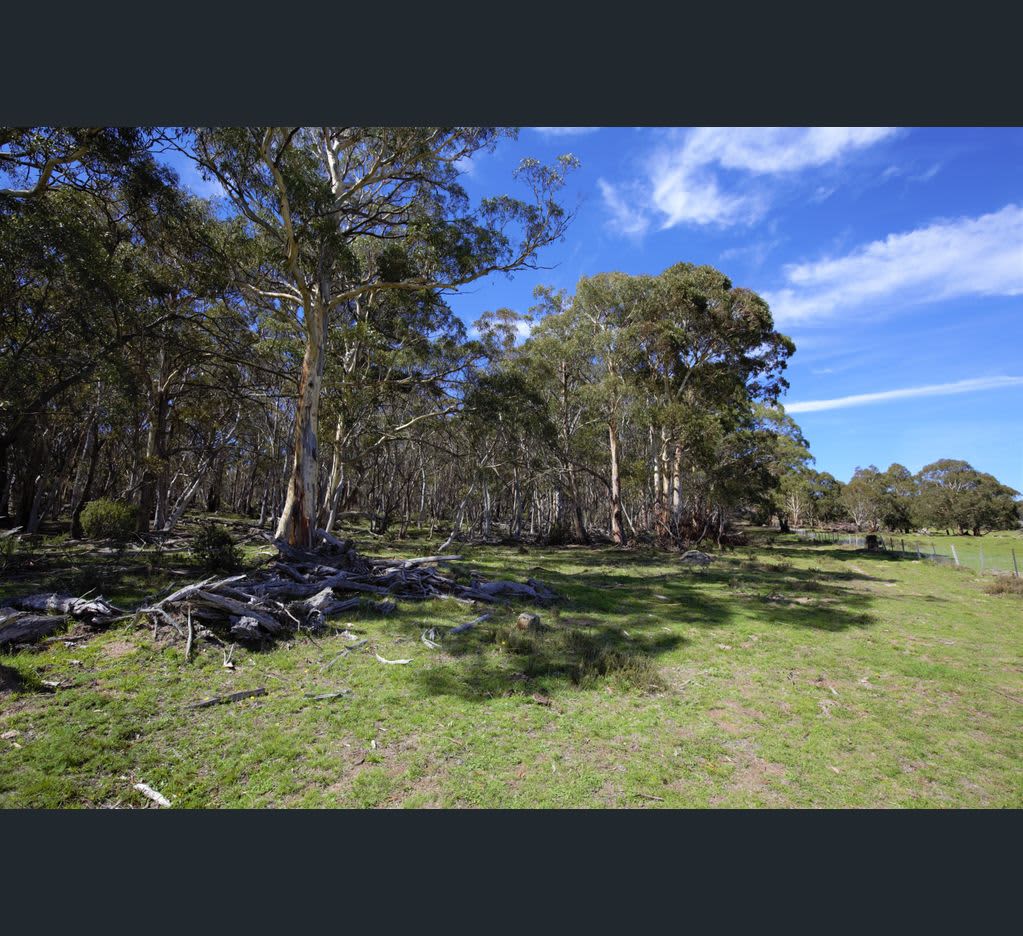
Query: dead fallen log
29, 618
82, 608
23, 627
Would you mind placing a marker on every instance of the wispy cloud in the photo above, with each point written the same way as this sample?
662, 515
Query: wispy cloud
565, 131
625, 208
980, 256
754, 253
927, 174
863, 399
684, 181
776, 149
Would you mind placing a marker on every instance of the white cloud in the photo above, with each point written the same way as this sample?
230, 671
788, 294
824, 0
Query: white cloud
769, 150
683, 182
862, 399
980, 256
686, 193
628, 215
565, 131
465, 165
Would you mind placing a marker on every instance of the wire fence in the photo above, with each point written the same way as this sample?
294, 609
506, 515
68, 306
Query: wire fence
942, 554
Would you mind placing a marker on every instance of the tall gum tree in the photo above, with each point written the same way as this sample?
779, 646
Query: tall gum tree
349, 212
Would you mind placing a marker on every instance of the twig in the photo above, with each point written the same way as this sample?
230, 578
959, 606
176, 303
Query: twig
188, 643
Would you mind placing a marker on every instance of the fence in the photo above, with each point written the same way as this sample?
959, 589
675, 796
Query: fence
941, 553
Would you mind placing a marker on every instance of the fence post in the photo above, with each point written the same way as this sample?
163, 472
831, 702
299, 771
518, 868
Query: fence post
902, 543
919, 554
934, 552
954, 554
1014, 566
981, 559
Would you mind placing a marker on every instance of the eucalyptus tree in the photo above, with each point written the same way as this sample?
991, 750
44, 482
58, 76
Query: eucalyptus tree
863, 498
391, 364
955, 495
558, 363
348, 213
708, 350
97, 160
74, 293
604, 309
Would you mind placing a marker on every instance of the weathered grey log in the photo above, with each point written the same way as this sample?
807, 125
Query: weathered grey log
501, 588
24, 627
266, 618
65, 604
423, 560
246, 628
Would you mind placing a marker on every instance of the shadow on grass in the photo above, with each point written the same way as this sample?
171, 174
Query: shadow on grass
612, 628
503, 661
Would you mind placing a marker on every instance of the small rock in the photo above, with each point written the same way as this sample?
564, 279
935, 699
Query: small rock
528, 622
9, 735
696, 557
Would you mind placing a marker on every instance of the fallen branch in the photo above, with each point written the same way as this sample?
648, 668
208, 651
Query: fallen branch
469, 625
152, 794
392, 662
233, 697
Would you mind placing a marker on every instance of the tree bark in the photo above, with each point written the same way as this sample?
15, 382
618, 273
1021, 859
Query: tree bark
82, 497
297, 525
617, 528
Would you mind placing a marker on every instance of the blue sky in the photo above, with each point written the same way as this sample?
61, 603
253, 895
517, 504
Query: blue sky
892, 257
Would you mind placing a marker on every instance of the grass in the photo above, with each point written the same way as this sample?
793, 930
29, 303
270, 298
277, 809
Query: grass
785, 674
997, 547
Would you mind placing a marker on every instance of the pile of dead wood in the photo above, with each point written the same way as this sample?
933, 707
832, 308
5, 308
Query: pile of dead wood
31, 617
297, 590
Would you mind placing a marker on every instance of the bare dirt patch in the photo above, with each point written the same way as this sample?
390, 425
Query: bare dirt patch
119, 648
754, 774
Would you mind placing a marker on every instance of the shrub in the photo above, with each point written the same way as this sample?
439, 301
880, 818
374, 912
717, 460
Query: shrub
214, 547
107, 519
1005, 585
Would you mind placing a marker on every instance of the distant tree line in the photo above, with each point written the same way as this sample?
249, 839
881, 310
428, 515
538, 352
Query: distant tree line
947, 495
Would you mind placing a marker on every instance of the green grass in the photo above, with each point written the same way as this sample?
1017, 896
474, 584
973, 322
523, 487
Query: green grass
997, 547
782, 675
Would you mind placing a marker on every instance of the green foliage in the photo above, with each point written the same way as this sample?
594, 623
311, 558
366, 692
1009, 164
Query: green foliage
215, 548
108, 519
954, 495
